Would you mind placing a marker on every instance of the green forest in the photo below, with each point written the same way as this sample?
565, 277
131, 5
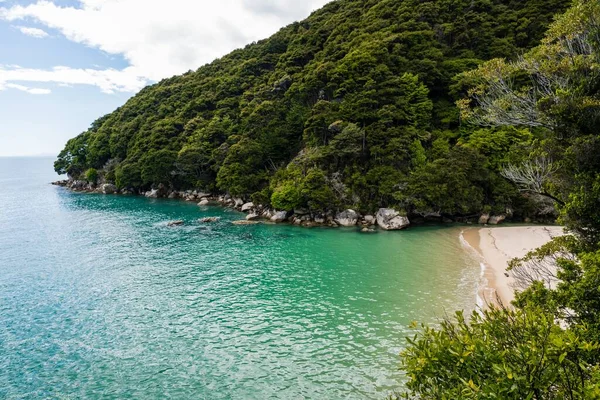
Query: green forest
353, 107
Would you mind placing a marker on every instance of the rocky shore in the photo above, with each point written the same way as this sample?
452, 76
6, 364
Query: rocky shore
384, 218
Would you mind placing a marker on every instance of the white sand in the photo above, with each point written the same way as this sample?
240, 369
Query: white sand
497, 246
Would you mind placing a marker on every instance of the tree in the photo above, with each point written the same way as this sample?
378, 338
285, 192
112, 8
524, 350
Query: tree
128, 176
287, 197
194, 164
91, 175
501, 354
243, 170
158, 167
548, 87
316, 192
532, 176
451, 186
347, 143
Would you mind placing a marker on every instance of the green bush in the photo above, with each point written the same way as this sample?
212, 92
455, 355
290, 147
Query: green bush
287, 197
501, 354
91, 175
128, 176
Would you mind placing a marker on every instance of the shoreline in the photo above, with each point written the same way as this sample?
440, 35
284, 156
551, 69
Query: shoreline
492, 245
495, 248
384, 218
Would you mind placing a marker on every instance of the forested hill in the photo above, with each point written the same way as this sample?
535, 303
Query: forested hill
352, 107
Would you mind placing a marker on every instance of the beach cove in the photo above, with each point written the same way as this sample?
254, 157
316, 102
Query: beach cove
496, 247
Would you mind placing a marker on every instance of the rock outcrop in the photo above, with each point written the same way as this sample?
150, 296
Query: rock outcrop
484, 219
496, 219
347, 218
280, 216
108, 188
252, 217
79, 185
152, 194
238, 202
247, 207
267, 213
390, 220
320, 219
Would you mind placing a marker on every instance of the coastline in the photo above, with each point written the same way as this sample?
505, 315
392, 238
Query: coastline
387, 219
492, 245
495, 248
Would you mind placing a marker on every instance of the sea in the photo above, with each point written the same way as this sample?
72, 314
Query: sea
101, 299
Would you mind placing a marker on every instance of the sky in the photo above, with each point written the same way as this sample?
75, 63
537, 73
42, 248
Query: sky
64, 63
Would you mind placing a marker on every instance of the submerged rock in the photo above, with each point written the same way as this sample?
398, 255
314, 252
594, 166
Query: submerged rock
210, 220
175, 223
244, 222
347, 218
391, 220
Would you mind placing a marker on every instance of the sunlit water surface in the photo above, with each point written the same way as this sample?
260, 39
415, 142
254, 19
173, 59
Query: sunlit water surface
99, 299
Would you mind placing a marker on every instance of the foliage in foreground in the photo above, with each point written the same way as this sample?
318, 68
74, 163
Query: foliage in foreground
502, 354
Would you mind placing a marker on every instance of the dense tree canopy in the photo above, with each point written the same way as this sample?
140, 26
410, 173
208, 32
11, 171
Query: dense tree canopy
357, 100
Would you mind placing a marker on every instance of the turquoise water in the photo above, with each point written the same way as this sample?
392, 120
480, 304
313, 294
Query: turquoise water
100, 299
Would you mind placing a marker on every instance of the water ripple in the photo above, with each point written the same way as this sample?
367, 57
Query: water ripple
100, 299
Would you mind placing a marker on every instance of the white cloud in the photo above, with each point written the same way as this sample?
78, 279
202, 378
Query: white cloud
24, 88
108, 80
33, 32
158, 39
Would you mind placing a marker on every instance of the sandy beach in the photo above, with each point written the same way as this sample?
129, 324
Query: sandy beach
497, 246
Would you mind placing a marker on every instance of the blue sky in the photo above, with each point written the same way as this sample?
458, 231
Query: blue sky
65, 63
